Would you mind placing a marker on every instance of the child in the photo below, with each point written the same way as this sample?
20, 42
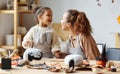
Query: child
41, 36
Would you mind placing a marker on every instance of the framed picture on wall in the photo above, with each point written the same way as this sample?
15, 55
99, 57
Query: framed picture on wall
100, 47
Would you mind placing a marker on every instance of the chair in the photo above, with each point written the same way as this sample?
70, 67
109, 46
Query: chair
113, 53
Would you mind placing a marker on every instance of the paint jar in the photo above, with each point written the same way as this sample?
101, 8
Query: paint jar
101, 61
6, 63
9, 39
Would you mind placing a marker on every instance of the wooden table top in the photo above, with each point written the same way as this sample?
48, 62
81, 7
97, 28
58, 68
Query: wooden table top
60, 62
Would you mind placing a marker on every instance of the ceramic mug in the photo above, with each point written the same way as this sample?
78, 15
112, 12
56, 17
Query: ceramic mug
9, 39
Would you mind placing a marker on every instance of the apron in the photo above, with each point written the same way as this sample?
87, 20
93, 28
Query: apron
76, 50
43, 41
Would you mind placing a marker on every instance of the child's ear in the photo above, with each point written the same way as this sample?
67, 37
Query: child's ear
39, 16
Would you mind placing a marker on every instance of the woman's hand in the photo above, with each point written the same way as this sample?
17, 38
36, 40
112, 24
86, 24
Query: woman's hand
59, 54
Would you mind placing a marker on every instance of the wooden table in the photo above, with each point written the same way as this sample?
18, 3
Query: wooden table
25, 70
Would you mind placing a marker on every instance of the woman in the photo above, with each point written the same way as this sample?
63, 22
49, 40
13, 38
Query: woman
80, 38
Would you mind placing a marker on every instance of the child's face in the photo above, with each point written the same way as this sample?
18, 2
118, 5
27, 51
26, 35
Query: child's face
46, 18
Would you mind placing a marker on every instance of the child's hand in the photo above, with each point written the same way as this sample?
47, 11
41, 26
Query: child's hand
29, 44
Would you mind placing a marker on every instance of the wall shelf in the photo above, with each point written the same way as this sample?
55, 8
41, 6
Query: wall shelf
24, 11
22, 3
6, 11
15, 25
17, 21
7, 47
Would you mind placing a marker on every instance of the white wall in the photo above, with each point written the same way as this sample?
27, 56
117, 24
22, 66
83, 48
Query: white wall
103, 19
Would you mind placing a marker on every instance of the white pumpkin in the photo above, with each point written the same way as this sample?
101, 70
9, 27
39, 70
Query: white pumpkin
78, 59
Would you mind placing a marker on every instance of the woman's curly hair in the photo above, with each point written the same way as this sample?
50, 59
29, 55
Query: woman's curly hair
79, 22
